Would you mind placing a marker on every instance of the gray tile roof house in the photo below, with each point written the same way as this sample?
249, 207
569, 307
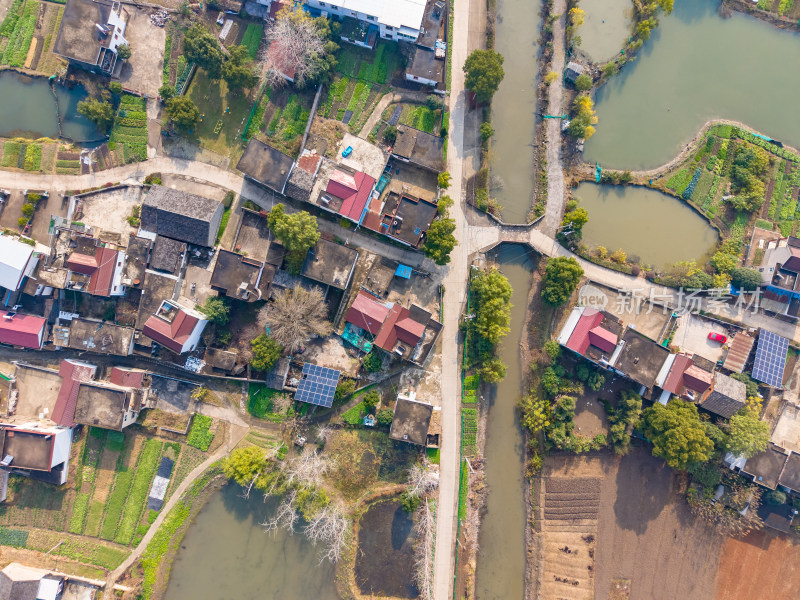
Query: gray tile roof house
181, 216
726, 397
573, 71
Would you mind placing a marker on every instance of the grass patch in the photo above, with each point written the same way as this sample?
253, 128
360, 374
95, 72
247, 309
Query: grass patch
200, 436
11, 154
433, 455
462, 492
226, 216
355, 414
252, 39
222, 113
259, 403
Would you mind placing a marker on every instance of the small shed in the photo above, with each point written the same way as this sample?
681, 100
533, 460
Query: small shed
573, 71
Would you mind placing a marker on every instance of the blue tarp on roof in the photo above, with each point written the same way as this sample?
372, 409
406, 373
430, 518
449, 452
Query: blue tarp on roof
403, 271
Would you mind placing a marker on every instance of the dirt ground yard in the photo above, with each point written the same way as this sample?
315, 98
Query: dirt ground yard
142, 72
762, 565
644, 531
108, 211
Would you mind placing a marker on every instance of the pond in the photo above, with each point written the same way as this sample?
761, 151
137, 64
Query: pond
29, 109
659, 229
514, 107
606, 28
501, 562
226, 555
385, 559
695, 67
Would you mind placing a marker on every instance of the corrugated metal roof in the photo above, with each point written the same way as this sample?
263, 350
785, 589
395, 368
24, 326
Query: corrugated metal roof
739, 352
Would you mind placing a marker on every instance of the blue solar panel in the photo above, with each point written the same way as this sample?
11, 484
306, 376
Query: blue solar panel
317, 385
770, 358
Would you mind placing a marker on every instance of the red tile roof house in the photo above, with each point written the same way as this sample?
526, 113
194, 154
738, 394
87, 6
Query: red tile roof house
592, 334
109, 405
175, 327
26, 331
679, 376
99, 275
391, 324
278, 60
347, 194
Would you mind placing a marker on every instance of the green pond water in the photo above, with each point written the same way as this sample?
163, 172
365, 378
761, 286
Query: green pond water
514, 107
226, 555
697, 66
501, 560
657, 228
30, 110
606, 28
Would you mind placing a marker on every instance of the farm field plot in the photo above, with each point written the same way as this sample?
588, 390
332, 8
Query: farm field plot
129, 134
644, 527
280, 118
705, 178
761, 565
363, 77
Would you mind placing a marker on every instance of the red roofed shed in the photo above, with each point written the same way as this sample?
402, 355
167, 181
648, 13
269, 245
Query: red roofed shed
603, 339
72, 375
21, 330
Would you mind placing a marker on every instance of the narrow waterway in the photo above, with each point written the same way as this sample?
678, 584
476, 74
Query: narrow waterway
514, 108
657, 228
30, 109
606, 28
501, 558
226, 555
697, 66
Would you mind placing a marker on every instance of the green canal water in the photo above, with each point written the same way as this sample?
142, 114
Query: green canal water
501, 559
697, 66
514, 107
657, 228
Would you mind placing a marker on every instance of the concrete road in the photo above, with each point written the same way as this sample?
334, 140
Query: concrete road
455, 286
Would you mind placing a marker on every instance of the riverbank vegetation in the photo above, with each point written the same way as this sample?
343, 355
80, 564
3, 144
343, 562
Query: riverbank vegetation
487, 322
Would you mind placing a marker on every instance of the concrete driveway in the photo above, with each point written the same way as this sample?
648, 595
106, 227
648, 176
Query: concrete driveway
692, 336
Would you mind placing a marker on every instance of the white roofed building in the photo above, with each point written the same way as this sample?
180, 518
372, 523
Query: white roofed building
399, 20
17, 260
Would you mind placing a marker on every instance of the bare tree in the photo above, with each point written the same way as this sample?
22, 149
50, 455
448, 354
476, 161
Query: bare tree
296, 315
286, 516
421, 480
328, 527
307, 469
294, 46
323, 433
424, 530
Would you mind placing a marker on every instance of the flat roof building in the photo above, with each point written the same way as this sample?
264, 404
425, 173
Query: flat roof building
265, 165
90, 34
411, 420
17, 261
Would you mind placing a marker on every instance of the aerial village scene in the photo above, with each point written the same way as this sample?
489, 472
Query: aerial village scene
399, 299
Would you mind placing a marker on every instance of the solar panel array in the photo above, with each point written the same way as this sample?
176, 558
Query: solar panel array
770, 358
317, 385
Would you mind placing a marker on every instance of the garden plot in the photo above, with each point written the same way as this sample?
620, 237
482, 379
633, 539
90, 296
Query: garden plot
280, 118
418, 116
362, 79
704, 179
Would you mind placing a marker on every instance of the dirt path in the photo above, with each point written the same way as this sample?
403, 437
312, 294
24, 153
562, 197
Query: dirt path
555, 95
235, 436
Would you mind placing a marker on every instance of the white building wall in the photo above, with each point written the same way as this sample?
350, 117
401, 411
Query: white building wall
61, 446
194, 339
117, 289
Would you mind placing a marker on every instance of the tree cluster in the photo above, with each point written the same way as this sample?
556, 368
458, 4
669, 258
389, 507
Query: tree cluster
99, 112
622, 419
583, 117
297, 232
490, 303
561, 278
750, 166
484, 72
202, 47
